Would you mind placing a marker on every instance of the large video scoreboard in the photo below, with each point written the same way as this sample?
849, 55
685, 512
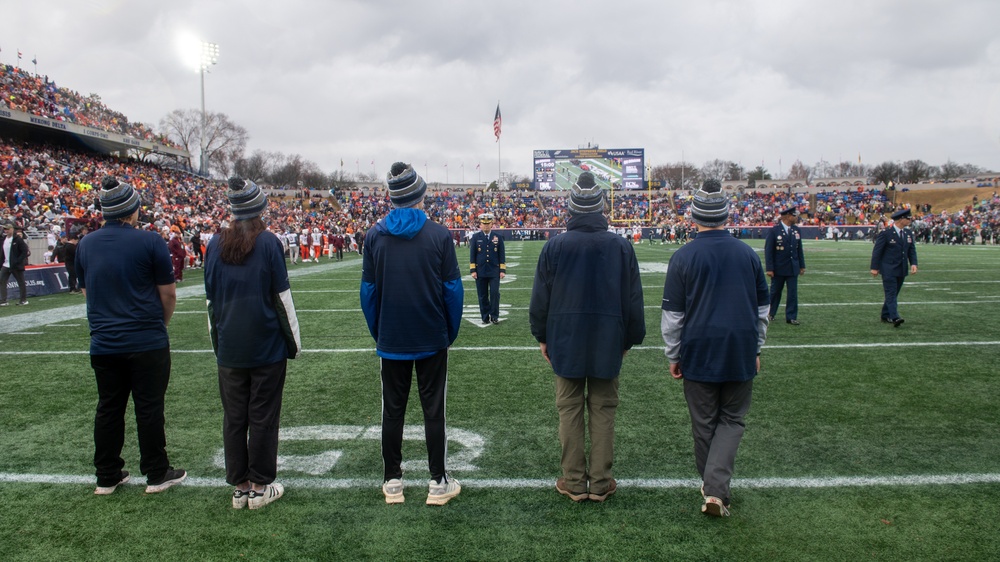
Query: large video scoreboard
614, 168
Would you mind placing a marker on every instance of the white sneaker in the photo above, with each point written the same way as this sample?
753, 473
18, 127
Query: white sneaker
393, 490
440, 493
271, 492
108, 490
240, 498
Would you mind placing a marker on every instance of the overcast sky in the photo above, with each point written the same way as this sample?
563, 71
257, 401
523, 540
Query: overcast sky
753, 81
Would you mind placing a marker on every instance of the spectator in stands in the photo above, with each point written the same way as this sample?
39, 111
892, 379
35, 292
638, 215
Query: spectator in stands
127, 278
14, 259
254, 333
714, 322
584, 325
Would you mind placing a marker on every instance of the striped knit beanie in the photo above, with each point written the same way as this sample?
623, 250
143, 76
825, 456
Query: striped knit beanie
118, 200
246, 200
585, 196
710, 206
406, 188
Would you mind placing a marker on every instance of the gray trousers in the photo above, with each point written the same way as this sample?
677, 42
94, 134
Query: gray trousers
717, 411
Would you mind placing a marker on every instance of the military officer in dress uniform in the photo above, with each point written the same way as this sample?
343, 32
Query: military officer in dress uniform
784, 262
894, 250
488, 268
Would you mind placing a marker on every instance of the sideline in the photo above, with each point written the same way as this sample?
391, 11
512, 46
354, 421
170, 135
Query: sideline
541, 483
21, 322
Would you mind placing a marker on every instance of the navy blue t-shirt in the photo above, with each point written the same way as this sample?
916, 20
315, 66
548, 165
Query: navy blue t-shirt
250, 333
121, 268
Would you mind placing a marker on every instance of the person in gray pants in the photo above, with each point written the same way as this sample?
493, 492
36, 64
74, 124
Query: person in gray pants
714, 322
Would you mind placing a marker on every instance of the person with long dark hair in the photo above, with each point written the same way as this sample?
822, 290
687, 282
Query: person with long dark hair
254, 332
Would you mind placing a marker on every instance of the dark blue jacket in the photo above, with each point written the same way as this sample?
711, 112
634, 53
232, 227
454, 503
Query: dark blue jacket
486, 255
783, 252
893, 255
586, 303
717, 283
411, 289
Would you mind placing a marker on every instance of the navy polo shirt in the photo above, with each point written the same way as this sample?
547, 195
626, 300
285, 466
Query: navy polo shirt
121, 268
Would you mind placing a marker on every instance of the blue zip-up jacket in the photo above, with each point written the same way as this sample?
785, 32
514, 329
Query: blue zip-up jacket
586, 303
411, 289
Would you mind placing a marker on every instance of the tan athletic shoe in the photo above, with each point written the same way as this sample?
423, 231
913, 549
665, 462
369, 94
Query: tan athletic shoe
393, 490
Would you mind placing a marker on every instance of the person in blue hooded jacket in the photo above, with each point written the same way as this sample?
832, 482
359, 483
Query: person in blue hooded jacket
586, 312
412, 298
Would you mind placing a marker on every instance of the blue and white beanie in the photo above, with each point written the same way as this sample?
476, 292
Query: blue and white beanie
710, 206
585, 196
406, 188
118, 200
246, 200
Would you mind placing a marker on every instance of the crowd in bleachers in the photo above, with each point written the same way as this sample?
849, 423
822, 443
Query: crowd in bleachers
47, 189
37, 95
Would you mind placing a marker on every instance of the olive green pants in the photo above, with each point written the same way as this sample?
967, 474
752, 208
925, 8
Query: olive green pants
600, 396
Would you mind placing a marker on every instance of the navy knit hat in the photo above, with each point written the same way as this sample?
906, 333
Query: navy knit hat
585, 196
118, 200
710, 206
406, 188
246, 200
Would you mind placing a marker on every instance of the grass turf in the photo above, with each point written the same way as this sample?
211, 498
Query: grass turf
842, 395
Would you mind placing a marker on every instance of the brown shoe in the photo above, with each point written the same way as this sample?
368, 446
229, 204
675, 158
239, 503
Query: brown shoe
601, 497
575, 496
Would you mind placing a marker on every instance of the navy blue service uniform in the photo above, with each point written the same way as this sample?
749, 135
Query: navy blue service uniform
895, 257
487, 264
784, 262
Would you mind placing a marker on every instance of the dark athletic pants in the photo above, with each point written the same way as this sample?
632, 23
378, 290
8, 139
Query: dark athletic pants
432, 386
251, 409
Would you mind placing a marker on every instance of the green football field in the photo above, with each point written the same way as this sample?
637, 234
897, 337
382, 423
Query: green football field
864, 442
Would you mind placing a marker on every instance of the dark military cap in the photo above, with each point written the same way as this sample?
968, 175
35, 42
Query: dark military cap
901, 214
789, 211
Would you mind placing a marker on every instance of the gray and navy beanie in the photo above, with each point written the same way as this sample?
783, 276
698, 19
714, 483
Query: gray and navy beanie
118, 200
586, 196
710, 206
246, 200
406, 188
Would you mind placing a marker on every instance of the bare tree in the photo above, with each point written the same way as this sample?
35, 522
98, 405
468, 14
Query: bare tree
799, 171
914, 171
183, 128
886, 172
679, 175
256, 167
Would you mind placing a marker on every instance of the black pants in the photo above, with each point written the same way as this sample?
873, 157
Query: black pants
432, 386
251, 405
5, 273
144, 375
71, 272
489, 297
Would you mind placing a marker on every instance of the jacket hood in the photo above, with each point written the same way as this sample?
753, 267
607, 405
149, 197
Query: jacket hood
587, 222
404, 222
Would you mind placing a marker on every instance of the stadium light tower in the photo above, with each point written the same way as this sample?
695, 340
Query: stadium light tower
209, 56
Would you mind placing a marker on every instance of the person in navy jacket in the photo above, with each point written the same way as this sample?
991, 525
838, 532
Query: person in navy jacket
411, 295
586, 312
894, 257
714, 323
487, 265
784, 262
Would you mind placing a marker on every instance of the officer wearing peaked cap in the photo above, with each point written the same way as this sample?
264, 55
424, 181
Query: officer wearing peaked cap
784, 262
894, 250
488, 267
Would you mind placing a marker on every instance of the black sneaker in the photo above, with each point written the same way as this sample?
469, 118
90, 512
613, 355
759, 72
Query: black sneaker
108, 490
171, 477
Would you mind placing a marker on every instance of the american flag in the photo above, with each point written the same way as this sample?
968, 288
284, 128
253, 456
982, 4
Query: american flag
497, 122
